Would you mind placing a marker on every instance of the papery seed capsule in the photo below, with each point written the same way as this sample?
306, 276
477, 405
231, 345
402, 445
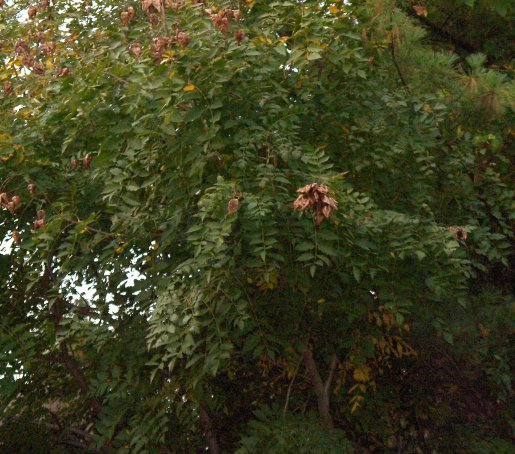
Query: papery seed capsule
125, 18
233, 206
73, 164
32, 11
8, 87
4, 198
16, 236
41, 214
136, 49
10, 206
39, 224
86, 161
131, 12
16, 200
32, 188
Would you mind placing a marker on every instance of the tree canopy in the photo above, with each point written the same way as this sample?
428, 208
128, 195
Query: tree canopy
256, 226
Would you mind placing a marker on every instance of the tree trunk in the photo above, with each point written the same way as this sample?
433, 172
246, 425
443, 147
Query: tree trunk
321, 390
209, 433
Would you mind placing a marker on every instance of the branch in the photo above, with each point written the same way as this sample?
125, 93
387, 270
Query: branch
78, 376
320, 391
209, 433
163, 16
396, 63
72, 430
285, 409
438, 30
65, 357
332, 368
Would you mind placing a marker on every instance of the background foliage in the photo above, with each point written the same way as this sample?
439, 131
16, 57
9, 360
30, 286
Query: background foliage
159, 293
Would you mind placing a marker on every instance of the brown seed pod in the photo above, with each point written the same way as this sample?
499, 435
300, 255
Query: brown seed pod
150, 6
21, 46
183, 39
31, 188
233, 206
160, 43
8, 87
39, 224
4, 198
125, 18
176, 6
1, 3
28, 60
74, 163
16, 236
41, 214
32, 11
16, 200
131, 12
48, 48
86, 161
458, 232
39, 67
239, 36
236, 13
11, 207
63, 72
315, 197
136, 49
154, 19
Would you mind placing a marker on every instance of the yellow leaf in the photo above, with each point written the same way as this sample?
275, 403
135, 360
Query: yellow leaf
334, 9
362, 374
189, 87
283, 39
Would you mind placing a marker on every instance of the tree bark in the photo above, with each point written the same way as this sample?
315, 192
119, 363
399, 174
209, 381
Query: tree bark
209, 433
322, 390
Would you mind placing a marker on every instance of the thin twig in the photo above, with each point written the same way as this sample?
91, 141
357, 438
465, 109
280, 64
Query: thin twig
163, 16
285, 409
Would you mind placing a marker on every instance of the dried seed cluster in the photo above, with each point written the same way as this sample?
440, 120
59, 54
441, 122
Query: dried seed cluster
9, 203
8, 87
40, 222
28, 56
127, 16
222, 19
233, 206
315, 197
458, 232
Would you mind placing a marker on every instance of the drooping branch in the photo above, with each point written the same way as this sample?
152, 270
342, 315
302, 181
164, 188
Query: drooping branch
209, 432
78, 376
